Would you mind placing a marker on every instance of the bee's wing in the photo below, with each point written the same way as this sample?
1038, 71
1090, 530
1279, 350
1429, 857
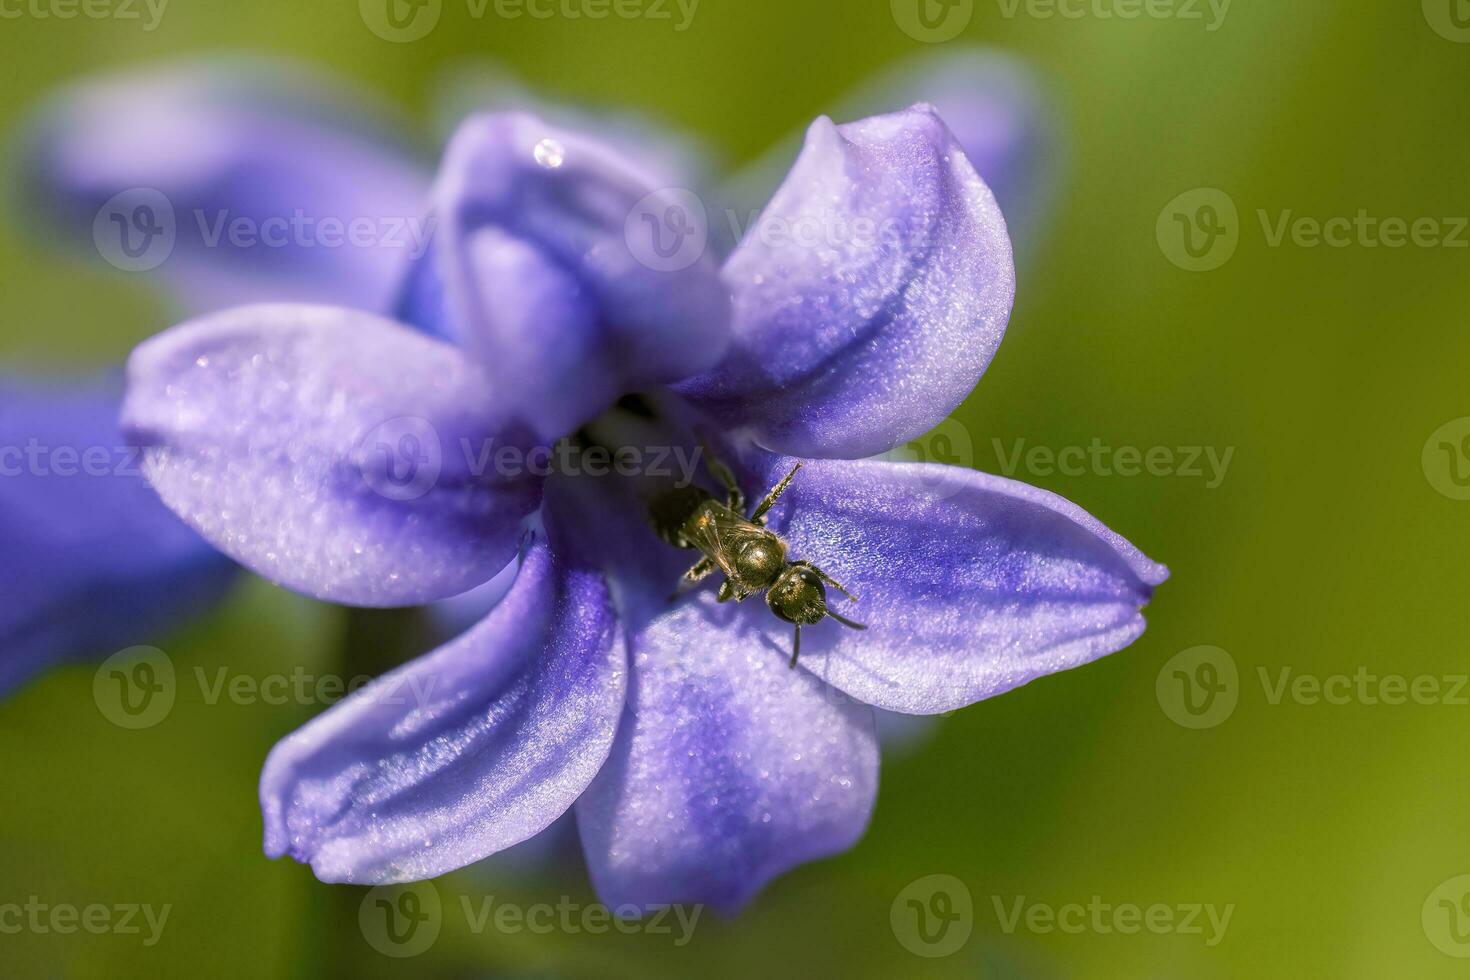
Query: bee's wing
721, 534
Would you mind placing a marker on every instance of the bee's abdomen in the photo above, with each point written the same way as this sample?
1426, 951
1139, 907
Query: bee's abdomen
671, 512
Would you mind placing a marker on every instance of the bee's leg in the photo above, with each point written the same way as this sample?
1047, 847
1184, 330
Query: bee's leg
758, 516
727, 592
734, 496
693, 577
796, 646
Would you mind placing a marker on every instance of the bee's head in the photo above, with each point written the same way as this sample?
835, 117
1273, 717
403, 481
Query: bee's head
760, 561
798, 595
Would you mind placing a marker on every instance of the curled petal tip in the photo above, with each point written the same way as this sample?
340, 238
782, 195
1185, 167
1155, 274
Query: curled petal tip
571, 273
973, 585
869, 297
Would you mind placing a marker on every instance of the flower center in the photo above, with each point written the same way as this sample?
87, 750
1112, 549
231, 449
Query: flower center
701, 507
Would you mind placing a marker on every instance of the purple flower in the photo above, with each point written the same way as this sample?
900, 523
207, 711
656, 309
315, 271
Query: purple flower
345, 455
279, 150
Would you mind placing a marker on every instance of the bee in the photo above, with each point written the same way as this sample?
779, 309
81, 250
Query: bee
751, 557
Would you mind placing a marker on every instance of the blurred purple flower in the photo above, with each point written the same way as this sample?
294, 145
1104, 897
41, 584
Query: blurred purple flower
94, 561
252, 164
340, 453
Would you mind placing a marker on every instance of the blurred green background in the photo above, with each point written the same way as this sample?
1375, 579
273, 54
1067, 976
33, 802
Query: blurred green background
1326, 548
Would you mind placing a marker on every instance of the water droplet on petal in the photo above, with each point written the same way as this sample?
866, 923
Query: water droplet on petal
550, 154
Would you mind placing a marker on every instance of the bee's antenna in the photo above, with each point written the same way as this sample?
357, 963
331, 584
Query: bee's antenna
773, 496
796, 646
846, 622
